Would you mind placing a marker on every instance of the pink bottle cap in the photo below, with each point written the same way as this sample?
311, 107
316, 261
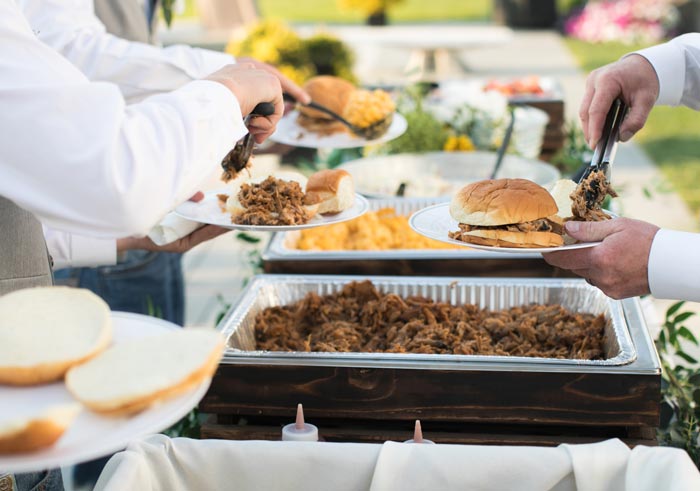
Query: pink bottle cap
299, 431
418, 435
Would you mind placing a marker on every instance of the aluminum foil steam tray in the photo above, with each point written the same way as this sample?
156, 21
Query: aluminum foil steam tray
494, 293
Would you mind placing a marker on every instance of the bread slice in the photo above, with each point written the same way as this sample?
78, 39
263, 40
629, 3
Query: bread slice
45, 331
31, 433
134, 374
506, 238
332, 189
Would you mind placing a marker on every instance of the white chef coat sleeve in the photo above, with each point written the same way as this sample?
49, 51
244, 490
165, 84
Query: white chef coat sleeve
72, 29
79, 158
674, 265
74, 251
677, 66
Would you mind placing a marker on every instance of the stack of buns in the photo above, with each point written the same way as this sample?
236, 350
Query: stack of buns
49, 334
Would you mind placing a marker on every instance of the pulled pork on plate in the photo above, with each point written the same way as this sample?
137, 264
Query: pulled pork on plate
588, 198
362, 319
272, 202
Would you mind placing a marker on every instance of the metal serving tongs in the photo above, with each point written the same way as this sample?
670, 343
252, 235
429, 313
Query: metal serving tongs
237, 159
605, 149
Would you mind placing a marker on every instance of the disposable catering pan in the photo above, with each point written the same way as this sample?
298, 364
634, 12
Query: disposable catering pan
282, 257
480, 399
575, 295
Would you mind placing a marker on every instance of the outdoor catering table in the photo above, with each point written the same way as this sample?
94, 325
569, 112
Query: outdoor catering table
159, 463
466, 399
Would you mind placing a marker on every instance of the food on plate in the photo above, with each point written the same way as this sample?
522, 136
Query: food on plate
589, 196
370, 111
134, 374
506, 213
520, 86
31, 432
45, 331
332, 189
561, 191
360, 318
274, 201
331, 92
379, 230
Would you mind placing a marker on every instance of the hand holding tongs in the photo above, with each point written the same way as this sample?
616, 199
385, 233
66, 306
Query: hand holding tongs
607, 145
237, 159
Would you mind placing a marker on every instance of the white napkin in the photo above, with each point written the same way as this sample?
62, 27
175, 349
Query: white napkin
159, 463
172, 228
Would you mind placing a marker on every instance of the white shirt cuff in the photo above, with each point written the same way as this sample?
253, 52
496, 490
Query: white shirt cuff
212, 61
674, 265
87, 252
668, 61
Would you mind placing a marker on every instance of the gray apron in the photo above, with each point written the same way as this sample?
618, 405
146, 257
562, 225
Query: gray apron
24, 260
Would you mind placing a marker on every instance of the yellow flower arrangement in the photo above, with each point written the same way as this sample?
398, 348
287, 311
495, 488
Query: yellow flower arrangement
459, 143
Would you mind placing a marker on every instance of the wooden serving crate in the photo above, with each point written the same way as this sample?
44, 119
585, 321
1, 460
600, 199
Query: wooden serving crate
374, 399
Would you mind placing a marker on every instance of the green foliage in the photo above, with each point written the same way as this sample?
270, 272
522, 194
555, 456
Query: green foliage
575, 151
369, 7
680, 388
330, 56
187, 427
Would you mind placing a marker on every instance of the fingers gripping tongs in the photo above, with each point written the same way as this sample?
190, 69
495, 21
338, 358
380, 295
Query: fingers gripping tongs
604, 152
237, 159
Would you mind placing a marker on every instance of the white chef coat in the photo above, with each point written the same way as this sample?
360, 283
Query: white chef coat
72, 29
674, 259
76, 156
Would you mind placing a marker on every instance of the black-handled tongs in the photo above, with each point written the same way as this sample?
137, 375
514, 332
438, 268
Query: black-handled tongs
237, 159
605, 149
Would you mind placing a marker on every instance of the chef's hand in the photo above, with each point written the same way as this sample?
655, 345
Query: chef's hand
251, 86
632, 79
287, 85
618, 266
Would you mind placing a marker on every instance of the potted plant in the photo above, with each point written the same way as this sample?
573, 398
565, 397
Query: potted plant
376, 10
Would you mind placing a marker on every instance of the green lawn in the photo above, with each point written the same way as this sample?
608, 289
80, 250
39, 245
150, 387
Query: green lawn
671, 135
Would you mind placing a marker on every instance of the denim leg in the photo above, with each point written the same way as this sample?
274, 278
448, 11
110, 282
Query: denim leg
143, 282
50, 480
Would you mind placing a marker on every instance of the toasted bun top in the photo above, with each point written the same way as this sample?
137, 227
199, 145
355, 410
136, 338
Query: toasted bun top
326, 180
500, 202
331, 92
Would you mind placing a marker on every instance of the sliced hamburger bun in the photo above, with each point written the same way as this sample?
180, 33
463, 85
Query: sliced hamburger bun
332, 189
331, 92
29, 433
561, 191
500, 202
45, 331
132, 375
505, 238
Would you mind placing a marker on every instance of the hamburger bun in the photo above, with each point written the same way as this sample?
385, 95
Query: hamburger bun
561, 192
500, 202
45, 331
332, 189
132, 375
505, 238
328, 91
31, 433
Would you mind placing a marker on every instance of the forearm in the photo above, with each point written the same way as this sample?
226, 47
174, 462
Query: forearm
674, 265
677, 66
139, 69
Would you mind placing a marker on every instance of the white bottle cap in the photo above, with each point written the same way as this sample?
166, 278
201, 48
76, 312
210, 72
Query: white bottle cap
418, 435
300, 431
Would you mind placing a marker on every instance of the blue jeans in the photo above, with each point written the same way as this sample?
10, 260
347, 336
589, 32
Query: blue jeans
40, 481
142, 282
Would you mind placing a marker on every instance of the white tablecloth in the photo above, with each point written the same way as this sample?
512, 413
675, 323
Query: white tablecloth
160, 463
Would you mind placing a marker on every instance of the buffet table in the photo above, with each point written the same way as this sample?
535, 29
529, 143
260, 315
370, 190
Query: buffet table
159, 463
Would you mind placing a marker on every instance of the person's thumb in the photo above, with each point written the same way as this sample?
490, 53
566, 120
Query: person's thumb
590, 231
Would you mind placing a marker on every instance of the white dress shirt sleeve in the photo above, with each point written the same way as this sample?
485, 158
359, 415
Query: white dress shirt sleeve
72, 29
79, 158
677, 66
74, 251
674, 265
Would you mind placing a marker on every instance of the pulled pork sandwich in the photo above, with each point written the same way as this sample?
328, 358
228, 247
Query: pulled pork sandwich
506, 213
331, 92
588, 197
273, 201
332, 189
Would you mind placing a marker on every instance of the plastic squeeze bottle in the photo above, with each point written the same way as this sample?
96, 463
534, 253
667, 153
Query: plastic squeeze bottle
299, 431
418, 435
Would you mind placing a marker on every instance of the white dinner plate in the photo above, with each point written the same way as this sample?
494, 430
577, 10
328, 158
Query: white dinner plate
290, 133
92, 435
435, 222
209, 211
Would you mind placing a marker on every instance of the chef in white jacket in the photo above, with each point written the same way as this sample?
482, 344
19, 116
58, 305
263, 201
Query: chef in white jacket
636, 257
139, 70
